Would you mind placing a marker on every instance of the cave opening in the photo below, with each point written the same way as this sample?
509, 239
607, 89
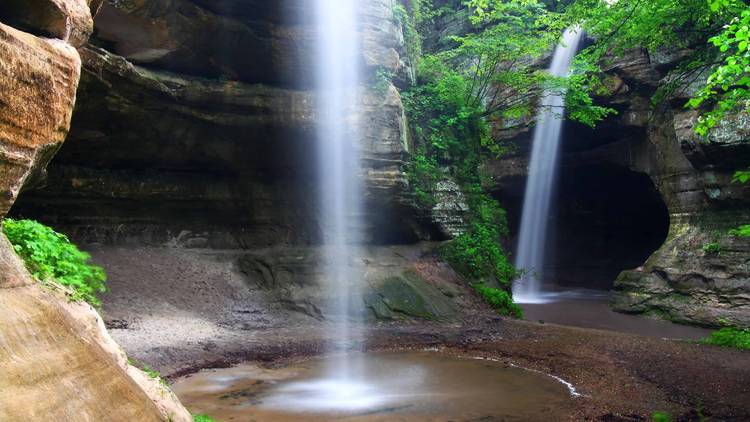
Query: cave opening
605, 219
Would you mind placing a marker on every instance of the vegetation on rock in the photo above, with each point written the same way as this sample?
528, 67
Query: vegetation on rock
153, 374
203, 418
487, 75
711, 34
737, 338
50, 257
501, 300
661, 417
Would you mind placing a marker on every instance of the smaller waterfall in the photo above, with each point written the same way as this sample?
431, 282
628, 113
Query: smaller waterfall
540, 184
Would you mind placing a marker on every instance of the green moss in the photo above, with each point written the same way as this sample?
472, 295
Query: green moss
408, 294
203, 418
49, 256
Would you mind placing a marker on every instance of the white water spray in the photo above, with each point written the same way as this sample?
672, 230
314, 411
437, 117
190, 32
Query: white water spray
337, 59
540, 184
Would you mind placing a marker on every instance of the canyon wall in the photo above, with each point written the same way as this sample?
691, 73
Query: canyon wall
57, 360
195, 127
670, 273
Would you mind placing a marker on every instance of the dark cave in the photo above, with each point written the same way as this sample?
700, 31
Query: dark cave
606, 219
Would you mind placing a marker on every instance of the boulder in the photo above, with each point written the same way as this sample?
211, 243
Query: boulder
38, 80
66, 20
393, 290
59, 362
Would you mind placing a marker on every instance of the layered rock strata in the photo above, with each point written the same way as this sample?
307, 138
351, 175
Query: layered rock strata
176, 141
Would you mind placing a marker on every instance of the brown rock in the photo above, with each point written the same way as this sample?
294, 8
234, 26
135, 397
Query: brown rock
67, 20
38, 80
59, 362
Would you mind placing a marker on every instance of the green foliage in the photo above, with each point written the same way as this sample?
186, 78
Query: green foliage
728, 87
50, 256
741, 231
477, 255
153, 374
661, 417
712, 248
716, 31
742, 176
498, 61
501, 300
203, 418
408, 22
737, 338
579, 105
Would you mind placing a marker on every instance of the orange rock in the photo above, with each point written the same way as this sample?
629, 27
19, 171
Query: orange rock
38, 81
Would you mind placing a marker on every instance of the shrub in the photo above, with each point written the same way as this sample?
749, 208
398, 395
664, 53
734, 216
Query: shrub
737, 338
50, 256
477, 255
661, 417
500, 300
712, 248
741, 231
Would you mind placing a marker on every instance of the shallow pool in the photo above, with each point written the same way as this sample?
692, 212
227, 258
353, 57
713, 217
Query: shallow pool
390, 386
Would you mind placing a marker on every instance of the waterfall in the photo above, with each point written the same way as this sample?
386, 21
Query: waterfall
540, 183
337, 59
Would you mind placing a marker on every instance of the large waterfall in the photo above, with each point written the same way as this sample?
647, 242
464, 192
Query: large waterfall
337, 75
540, 184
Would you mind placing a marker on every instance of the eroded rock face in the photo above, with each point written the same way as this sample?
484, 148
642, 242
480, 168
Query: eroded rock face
61, 364
680, 281
166, 154
701, 275
58, 361
253, 42
38, 80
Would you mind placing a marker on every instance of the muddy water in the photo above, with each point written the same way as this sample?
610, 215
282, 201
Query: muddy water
400, 386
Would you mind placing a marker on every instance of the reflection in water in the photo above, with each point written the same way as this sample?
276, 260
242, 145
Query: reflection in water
415, 386
590, 309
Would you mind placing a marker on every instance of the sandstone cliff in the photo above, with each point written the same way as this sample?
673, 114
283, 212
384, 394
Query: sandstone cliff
58, 361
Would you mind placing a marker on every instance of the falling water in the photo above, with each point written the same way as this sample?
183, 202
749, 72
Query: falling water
540, 184
337, 59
